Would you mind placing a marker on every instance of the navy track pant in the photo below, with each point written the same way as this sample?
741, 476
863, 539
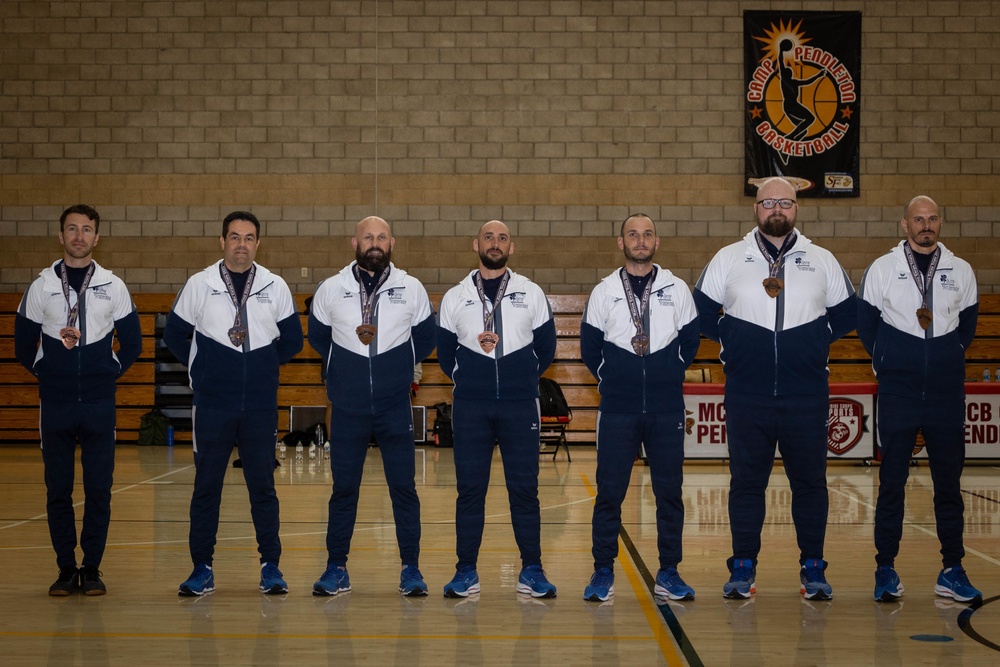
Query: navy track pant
755, 424
215, 434
619, 437
350, 435
942, 421
63, 424
478, 426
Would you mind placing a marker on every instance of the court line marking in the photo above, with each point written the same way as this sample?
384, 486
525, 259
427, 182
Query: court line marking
151, 480
660, 633
389, 525
286, 635
915, 526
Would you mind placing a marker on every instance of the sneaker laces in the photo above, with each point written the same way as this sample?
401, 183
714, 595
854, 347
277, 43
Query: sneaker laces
602, 577
883, 576
814, 574
958, 576
742, 573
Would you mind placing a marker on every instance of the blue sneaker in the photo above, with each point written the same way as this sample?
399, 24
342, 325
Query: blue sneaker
201, 581
953, 583
814, 586
411, 582
887, 585
741, 581
333, 581
602, 585
670, 584
464, 583
271, 582
532, 581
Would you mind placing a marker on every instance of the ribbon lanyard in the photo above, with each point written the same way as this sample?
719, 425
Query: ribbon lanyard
70, 334
366, 330
924, 314
773, 284
640, 341
238, 334
489, 338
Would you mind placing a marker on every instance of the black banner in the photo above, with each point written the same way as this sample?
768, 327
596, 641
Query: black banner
803, 100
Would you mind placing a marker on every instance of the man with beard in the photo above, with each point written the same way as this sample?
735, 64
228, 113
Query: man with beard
917, 312
783, 301
495, 337
639, 334
233, 324
371, 323
64, 333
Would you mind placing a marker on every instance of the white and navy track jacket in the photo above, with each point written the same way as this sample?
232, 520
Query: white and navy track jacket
224, 376
88, 370
777, 346
629, 382
364, 378
527, 344
908, 360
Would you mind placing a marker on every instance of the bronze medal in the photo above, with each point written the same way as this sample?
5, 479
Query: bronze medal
640, 343
70, 337
773, 286
488, 341
237, 335
366, 333
924, 317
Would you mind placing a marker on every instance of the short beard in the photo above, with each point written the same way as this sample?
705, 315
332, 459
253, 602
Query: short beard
373, 259
777, 226
638, 260
493, 264
924, 242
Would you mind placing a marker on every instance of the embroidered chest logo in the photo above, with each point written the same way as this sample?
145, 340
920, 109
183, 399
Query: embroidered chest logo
803, 265
664, 298
947, 283
517, 300
395, 296
100, 292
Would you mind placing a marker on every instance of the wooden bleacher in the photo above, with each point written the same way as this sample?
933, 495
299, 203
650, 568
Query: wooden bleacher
301, 385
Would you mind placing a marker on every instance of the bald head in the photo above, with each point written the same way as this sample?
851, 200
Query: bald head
494, 246
922, 224
373, 244
775, 222
919, 199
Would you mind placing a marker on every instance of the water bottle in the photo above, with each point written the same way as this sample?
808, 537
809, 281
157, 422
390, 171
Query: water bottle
312, 451
299, 449
170, 434
326, 450
281, 449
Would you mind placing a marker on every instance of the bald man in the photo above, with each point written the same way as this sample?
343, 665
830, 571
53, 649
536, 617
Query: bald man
917, 312
371, 323
495, 337
783, 300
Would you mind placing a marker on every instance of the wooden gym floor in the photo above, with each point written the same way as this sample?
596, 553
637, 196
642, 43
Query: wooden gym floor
142, 621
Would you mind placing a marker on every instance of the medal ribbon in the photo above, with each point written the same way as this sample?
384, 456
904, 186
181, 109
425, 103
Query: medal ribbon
490, 308
774, 268
239, 302
637, 311
73, 311
368, 301
923, 282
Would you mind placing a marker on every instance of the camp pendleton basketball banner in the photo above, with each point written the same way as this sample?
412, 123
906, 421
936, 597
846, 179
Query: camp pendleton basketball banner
803, 100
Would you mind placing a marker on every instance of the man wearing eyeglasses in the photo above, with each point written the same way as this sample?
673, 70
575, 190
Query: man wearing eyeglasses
233, 324
783, 300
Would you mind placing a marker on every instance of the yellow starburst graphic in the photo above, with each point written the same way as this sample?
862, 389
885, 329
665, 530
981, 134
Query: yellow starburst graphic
777, 34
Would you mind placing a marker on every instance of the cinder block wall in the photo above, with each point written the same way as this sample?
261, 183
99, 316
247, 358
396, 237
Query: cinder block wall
558, 117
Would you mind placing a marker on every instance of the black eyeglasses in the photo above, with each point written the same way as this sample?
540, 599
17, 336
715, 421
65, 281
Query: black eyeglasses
783, 203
